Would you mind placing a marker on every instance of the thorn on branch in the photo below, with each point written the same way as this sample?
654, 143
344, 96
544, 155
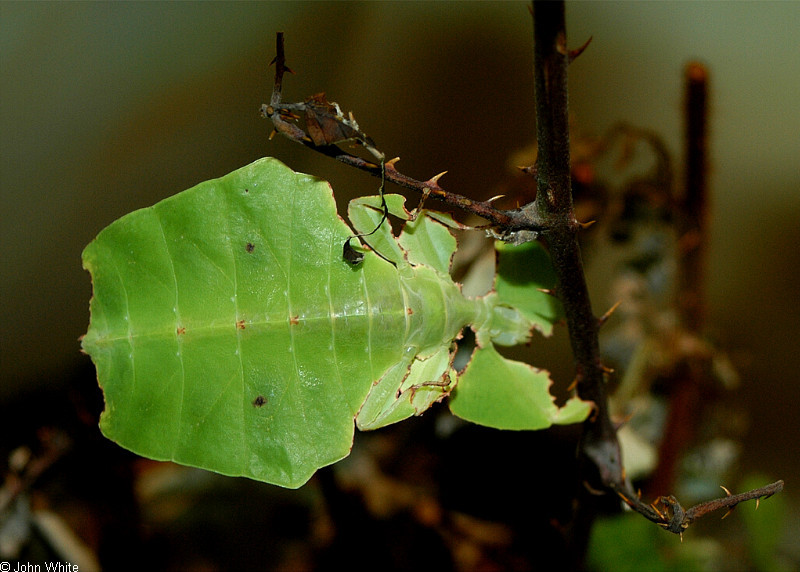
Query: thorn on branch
574, 383
434, 181
285, 67
604, 318
573, 54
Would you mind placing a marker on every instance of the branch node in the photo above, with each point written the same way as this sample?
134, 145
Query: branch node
561, 43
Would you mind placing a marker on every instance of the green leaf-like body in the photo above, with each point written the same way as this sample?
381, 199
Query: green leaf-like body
506, 394
218, 318
522, 273
229, 334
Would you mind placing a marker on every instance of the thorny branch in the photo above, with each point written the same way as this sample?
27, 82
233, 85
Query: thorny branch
550, 217
599, 451
674, 518
554, 203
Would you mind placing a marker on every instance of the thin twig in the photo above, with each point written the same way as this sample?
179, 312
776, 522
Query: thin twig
672, 516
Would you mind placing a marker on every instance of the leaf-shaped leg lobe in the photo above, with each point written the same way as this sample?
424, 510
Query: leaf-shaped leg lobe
409, 388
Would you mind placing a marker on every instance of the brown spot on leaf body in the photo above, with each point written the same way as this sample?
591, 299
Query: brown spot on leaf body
240, 324
259, 401
180, 331
250, 247
294, 320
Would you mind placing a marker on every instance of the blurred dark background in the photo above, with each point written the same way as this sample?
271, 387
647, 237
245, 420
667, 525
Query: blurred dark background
109, 107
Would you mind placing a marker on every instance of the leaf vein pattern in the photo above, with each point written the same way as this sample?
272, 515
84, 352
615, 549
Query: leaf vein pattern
243, 400
297, 382
176, 310
448, 311
332, 318
201, 253
130, 335
370, 324
270, 248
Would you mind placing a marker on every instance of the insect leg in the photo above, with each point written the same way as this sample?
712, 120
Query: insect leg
350, 254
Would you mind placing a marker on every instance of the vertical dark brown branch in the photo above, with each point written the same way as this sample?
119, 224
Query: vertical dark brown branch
692, 376
694, 202
280, 69
599, 449
551, 59
554, 206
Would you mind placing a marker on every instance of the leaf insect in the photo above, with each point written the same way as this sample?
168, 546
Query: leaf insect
407, 314
326, 125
